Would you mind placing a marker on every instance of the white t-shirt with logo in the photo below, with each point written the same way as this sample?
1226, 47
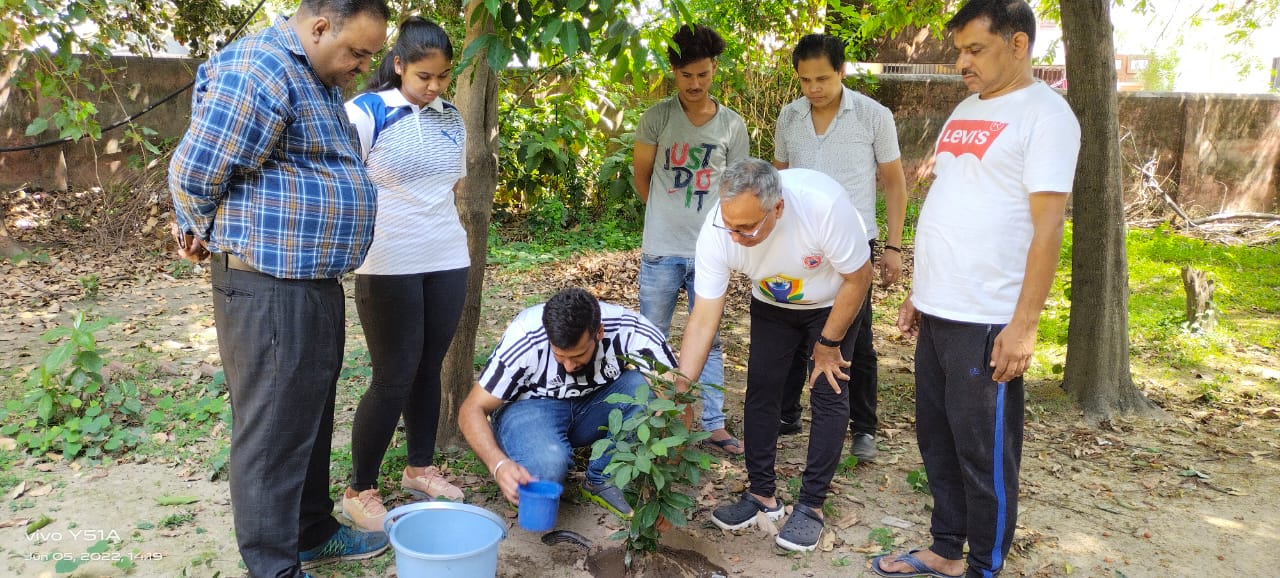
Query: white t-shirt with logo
975, 226
522, 366
800, 265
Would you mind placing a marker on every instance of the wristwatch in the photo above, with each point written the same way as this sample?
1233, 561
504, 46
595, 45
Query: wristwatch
822, 340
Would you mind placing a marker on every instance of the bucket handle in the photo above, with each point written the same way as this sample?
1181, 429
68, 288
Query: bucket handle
401, 511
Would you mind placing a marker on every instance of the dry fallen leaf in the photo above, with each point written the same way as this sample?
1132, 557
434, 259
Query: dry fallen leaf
17, 492
41, 491
765, 526
827, 542
847, 520
14, 522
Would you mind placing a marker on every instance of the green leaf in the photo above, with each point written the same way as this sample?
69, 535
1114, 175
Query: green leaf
615, 420
624, 475
599, 448
648, 514
90, 361
56, 333
67, 565
493, 6
644, 463
70, 450
99, 547
37, 126
58, 356
40, 522
498, 57
550, 30
642, 433
508, 16
177, 500
45, 408
659, 405
569, 39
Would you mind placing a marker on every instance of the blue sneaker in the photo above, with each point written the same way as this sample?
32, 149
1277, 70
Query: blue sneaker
345, 544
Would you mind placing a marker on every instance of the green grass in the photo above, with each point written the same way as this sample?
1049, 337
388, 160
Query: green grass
1247, 298
533, 244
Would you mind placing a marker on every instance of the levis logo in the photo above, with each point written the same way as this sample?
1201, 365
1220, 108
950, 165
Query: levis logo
969, 136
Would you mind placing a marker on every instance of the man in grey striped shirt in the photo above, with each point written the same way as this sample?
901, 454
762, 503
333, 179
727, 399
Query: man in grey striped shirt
847, 136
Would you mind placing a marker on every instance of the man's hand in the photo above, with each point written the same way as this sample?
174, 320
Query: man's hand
682, 385
510, 476
890, 268
827, 361
908, 318
1011, 353
190, 247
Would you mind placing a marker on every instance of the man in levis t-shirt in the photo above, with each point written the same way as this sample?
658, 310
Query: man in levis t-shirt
987, 247
795, 234
546, 386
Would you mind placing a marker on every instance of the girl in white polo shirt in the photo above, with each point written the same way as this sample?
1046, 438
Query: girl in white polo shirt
411, 286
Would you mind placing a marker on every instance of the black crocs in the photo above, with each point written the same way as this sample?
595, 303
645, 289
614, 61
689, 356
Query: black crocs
802, 530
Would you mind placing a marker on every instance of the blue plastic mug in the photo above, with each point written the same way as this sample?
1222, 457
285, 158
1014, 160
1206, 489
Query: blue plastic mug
539, 504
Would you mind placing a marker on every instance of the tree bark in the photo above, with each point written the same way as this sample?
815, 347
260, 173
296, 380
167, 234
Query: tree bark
1200, 311
8, 247
477, 99
1097, 372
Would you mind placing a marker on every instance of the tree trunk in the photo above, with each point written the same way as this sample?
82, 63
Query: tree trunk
1097, 368
8, 247
477, 99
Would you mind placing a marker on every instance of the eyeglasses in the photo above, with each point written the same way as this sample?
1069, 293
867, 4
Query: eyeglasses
754, 232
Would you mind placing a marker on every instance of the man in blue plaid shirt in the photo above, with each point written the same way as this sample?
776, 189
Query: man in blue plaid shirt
268, 179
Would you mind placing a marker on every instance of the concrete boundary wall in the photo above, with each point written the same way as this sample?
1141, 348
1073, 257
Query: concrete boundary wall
1221, 151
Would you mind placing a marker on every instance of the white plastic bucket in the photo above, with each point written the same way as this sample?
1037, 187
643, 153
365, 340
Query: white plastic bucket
445, 539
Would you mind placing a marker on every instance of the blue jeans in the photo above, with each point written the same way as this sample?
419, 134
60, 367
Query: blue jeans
540, 434
661, 279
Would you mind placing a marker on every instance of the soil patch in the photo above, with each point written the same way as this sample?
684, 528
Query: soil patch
1190, 497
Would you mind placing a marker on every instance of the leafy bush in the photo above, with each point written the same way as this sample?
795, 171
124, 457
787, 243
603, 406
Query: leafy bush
655, 458
67, 406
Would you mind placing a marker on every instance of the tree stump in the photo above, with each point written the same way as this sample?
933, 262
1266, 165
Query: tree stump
8, 247
1201, 313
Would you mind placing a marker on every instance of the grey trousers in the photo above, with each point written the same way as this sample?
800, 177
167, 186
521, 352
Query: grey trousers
281, 342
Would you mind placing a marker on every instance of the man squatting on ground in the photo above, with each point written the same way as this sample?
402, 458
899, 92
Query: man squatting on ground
795, 235
269, 178
697, 138
846, 135
986, 250
543, 391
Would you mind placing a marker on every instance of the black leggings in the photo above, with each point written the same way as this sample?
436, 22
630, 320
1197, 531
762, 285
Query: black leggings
409, 321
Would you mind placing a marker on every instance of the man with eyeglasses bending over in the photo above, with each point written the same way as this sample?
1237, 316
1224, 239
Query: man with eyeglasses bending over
795, 234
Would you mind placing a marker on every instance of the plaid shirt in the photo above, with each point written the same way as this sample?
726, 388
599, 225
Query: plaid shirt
270, 169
